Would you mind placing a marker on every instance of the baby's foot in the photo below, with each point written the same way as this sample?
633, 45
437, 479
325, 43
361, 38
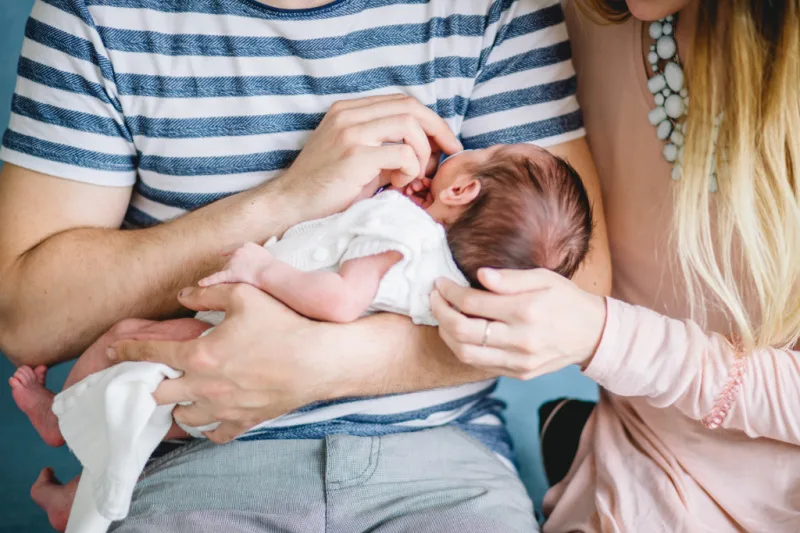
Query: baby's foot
27, 388
56, 499
245, 266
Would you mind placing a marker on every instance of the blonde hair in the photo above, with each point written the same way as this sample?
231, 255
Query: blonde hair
745, 67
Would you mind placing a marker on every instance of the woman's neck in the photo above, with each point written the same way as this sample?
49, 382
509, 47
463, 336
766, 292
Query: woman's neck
685, 30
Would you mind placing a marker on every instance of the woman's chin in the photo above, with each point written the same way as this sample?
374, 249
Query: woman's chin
649, 10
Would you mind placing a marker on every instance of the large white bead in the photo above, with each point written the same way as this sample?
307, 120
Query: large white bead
663, 130
656, 115
666, 29
659, 99
656, 83
676, 138
674, 106
656, 30
652, 57
666, 47
670, 152
674, 76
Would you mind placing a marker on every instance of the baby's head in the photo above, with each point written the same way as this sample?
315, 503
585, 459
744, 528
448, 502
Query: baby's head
512, 207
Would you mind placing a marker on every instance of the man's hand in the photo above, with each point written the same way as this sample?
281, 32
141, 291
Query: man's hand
362, 145
263, 361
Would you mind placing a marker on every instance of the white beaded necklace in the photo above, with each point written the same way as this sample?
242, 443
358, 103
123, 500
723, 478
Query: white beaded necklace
671, 96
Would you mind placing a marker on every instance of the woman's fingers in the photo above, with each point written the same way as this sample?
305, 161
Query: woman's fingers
475, 302
497, 361
518, 281
473, 331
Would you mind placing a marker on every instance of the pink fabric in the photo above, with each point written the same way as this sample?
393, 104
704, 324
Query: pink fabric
646, 463
649, 460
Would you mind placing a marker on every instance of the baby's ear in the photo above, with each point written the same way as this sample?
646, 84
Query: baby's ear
462, 192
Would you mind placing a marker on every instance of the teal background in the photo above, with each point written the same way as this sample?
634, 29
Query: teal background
22, 454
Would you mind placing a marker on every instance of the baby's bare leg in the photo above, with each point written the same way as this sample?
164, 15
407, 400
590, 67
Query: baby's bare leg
31, 396
54, 498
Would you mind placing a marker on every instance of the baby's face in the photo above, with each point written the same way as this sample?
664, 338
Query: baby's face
457, 172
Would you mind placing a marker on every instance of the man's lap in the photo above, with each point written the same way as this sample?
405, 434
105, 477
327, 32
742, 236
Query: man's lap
434, 480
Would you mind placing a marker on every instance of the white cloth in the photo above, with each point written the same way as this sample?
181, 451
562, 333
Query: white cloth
110, 419
386, 222
112, 424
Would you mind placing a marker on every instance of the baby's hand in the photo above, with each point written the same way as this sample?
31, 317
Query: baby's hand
417, 191
244, 266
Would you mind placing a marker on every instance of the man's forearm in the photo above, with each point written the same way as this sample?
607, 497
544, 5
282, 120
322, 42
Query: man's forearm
60, 295
387, 354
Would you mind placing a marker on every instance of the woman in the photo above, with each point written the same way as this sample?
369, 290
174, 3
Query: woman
697, 428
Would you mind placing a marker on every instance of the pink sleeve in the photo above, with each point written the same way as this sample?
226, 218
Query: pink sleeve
674, 363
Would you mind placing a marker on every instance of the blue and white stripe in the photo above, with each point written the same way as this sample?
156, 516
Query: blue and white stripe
188, 101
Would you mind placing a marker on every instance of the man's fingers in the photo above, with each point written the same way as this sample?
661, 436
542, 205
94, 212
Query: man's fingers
220, 297
193, 415
432, 124
174, 391
170, 353
395, 129
224, 276
354, 103
225, 433
399, 159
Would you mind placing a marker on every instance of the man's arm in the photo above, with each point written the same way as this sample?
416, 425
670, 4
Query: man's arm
67, 273
266, 360
387, 354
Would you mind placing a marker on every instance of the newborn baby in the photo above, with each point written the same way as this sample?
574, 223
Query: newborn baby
508, 207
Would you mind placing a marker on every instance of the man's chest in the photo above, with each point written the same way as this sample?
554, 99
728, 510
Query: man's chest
219, 103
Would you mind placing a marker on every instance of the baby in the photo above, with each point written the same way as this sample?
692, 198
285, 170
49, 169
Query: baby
508, 207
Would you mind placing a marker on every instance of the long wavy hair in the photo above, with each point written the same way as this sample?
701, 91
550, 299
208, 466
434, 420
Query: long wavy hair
744, 67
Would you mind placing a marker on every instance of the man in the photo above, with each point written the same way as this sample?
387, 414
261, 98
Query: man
155, 114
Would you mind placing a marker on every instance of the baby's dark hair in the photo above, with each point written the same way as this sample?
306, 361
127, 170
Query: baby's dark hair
528, 214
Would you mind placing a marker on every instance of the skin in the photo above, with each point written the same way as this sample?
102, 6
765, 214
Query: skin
53, 300
239, 379
53, 232
345, 295
536, 321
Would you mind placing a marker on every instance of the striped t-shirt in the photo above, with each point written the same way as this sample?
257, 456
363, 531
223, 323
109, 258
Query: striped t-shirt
188, 101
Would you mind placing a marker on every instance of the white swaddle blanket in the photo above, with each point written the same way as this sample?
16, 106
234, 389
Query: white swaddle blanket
110, 419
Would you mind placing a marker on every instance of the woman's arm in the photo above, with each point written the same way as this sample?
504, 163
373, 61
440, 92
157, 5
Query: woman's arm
675, 363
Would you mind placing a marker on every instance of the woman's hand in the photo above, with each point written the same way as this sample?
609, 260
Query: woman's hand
263, 361
364, 144
531, 323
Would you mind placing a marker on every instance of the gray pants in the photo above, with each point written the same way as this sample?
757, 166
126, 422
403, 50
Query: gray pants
439, 480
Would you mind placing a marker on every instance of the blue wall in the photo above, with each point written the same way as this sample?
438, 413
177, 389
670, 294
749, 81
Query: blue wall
22, 454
